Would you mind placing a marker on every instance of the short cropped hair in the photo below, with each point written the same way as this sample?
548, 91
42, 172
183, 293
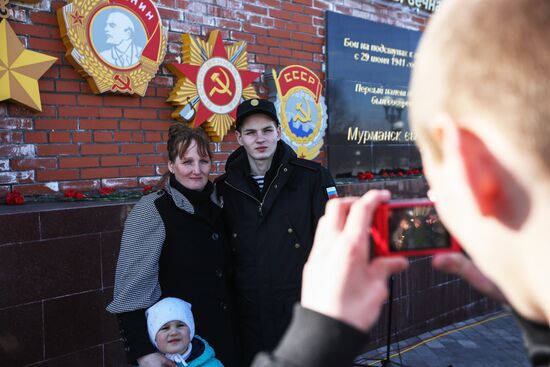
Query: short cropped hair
488, 58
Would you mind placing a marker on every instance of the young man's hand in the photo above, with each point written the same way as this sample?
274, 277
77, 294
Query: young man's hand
155, 360
458, 264
339, 280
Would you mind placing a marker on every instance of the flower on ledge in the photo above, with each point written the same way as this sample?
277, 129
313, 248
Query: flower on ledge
15, 198
74, 194
106, 191
147, 189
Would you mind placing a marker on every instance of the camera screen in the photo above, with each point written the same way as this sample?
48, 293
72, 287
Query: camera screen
416, 228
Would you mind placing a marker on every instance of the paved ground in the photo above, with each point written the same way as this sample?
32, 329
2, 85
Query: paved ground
493, 340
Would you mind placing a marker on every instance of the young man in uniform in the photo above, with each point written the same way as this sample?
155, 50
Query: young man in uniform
272, 202
480, 97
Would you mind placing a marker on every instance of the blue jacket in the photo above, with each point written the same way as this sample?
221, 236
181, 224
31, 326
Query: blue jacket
202, 355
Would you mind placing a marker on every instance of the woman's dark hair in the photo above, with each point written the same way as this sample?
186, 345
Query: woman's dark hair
180, 138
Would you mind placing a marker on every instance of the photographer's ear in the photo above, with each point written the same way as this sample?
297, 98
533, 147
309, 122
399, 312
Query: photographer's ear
482, 172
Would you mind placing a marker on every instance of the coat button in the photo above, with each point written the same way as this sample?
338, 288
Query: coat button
219, 273
285, 169
223, 306
215, 236
297, 245
234, 235
275, 186
290, 231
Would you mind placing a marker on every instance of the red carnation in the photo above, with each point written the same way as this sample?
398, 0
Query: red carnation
15, 198
147, 189
106, 191
73, 194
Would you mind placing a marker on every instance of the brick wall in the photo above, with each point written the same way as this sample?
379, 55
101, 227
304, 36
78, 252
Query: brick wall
84, 141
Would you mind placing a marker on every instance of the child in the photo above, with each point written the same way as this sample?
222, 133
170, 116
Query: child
172, 330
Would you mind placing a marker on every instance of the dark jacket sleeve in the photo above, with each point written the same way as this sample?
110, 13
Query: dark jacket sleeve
315, 340
133, 330
320, 195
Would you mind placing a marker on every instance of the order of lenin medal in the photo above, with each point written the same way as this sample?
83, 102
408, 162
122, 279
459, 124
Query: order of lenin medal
117, 45
212, 81
302, 109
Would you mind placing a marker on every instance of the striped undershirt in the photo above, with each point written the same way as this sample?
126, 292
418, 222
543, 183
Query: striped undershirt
260, 181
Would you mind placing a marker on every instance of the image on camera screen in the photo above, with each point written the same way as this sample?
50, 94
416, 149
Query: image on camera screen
416, 228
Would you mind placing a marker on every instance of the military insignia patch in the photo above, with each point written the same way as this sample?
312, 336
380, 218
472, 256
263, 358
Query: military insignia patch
117, 45
212, 80
301, 109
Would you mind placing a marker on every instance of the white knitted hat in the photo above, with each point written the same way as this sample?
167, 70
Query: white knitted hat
166, 310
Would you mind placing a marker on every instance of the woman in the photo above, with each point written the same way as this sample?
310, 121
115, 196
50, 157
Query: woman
174, 245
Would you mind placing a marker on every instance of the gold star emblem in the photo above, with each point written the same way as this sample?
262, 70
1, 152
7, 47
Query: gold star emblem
20, 69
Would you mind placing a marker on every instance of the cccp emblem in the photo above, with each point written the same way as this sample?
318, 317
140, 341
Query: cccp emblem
301, 109
212, 80
117, 45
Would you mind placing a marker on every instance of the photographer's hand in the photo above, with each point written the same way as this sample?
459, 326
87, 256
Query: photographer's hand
459, 264
339, 281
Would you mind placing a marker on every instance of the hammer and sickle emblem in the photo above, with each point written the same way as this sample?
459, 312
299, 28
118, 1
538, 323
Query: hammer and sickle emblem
222, 88
126, 84
303, 116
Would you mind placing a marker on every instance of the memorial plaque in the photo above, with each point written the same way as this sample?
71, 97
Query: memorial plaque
368, 71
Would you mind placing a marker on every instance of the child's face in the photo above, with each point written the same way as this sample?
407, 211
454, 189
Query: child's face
173, 337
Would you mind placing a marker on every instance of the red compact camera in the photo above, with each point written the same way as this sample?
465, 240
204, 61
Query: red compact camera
410, 228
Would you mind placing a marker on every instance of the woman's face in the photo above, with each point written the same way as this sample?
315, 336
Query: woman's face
192, 169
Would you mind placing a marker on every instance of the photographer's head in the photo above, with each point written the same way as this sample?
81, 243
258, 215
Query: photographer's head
479, 104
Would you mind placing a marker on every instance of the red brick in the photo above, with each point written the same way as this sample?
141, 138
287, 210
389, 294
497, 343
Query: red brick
103, 137
285, 24
15, 123
16, 177
137, 137
79, 111
268, 41
136, 148
312, 48
130, 125
220, 156
99, 172
118, 160
90, 100
291, 44
155, 103
42, 44
119, 182
314, 12
110, 112
268, 60
51, 73
37, 189
165, 81
302, 55
272, 3
33, 163
306, 28
57, 174
36, 137
60, 137
69, 72
240, 36
307, 3
275, 13
137, 171
255, 9
14, 137
57, 149
58, 99
280, 52
125, 137
78, 162
88, 185
44, 18
98, 124
229, 24
152, 159
169, 14
307, 38
257, 49
254, 30
163, 92
55, 124
140, 113
46, 85
166, 115
89, 149
153, 137
82, 137
156, 125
